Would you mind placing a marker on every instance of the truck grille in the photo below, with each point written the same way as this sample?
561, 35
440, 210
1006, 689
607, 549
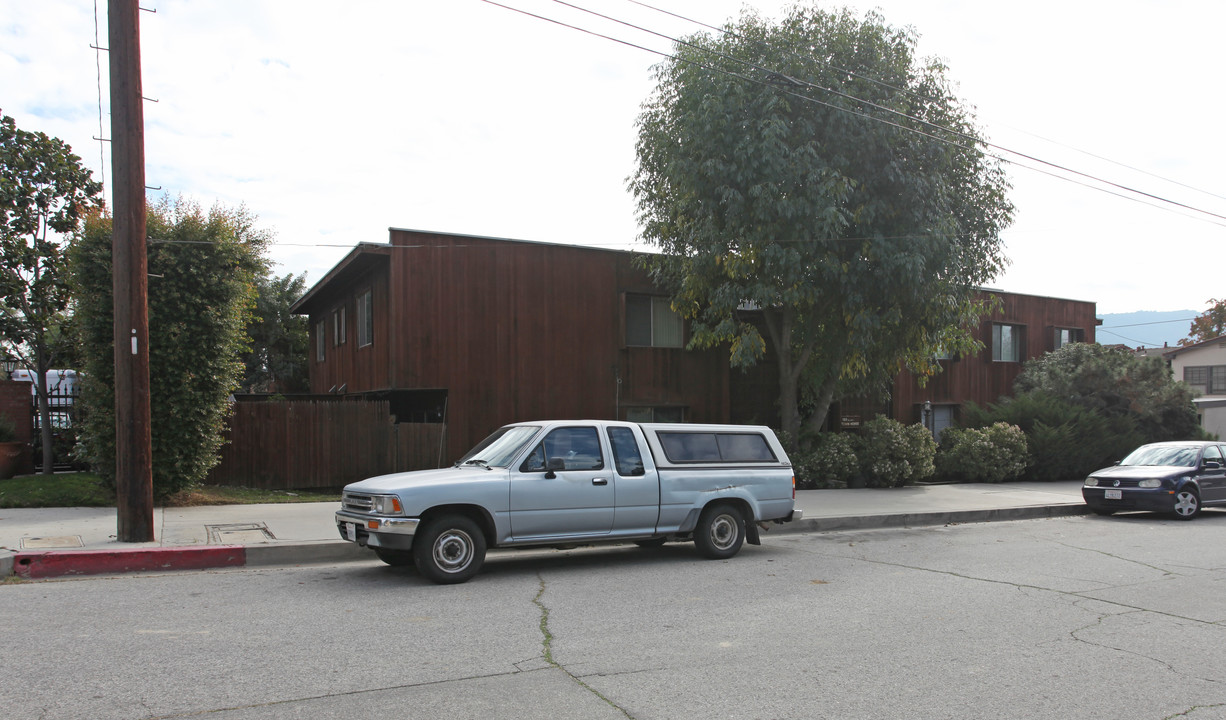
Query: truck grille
356, 502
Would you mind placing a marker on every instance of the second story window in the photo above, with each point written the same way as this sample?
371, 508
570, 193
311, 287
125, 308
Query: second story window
1006, 343
338, 326
1066, 336
366, 321
651, 322
321, 341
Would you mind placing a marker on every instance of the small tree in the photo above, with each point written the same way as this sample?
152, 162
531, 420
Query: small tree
45, 191
1116, 383
1210, 325
277, 361
203, 270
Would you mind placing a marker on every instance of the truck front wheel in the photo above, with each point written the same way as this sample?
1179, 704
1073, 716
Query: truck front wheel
449, 549
720, 532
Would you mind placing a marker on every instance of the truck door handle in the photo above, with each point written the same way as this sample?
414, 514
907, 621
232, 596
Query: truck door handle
600, 481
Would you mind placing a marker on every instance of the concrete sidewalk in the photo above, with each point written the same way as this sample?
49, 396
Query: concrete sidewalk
78, 541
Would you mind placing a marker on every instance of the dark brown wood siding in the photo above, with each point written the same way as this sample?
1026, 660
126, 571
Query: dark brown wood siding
978, 378
357, 369
517, 331
303, 442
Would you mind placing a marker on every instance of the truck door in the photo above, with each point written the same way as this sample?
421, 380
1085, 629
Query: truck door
576, 500
637, 495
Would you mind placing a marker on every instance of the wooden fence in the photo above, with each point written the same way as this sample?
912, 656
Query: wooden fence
300, 443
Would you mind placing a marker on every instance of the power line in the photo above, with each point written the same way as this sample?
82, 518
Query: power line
808, 84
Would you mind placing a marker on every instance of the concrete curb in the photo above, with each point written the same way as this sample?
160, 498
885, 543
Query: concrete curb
58, 563
871, 522
61, 563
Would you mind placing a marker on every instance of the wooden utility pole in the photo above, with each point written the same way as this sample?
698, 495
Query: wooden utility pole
133, 450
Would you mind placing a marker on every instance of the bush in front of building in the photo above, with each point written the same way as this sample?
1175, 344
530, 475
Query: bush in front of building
892, 454
1066, 440
829, 461
995, 453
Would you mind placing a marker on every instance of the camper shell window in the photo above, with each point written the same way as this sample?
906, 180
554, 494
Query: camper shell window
710, 447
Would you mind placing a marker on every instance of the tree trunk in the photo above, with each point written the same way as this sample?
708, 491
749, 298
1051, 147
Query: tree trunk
41, 362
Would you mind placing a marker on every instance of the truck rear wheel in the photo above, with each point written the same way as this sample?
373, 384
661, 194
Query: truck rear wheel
720, 532
395, 558
449, 549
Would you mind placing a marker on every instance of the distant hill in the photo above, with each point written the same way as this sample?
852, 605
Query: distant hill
1145, 328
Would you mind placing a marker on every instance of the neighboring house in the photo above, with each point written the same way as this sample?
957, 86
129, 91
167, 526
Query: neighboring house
1203, 366
478, 332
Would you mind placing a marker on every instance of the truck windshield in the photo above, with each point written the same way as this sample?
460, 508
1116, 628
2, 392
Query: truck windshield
501, 447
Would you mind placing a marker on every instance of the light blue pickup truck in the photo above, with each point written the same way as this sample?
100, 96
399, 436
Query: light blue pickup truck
562, 483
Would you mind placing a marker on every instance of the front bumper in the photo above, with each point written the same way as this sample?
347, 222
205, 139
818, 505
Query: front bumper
1151, 499
365, 529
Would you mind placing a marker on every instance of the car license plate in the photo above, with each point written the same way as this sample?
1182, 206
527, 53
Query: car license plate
351, 530
1113, 494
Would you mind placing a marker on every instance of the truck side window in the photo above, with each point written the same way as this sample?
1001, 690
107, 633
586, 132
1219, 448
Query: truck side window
626, 455
579, 447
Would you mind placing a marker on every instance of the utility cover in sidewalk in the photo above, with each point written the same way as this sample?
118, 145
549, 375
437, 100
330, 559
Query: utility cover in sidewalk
239, 533
59, 541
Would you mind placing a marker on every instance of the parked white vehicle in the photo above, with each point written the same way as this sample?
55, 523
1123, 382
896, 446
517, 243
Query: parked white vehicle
565, 482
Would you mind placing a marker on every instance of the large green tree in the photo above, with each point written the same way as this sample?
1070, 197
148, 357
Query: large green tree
277, 360
45, 192
203, 269
811, 184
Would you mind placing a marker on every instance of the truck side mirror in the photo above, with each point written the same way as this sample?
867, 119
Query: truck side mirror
553, 465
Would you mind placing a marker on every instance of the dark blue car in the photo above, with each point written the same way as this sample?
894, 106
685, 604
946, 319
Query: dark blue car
1170, 477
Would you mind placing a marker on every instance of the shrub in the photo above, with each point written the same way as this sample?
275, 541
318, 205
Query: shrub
892, 454
992, 454
8, 430
1065, 439
829, 462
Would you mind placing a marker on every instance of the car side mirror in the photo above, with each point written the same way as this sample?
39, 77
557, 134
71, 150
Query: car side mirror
553, 465
1213, 465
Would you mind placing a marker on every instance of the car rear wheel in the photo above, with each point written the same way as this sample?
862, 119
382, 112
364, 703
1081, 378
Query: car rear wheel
720, 532
449, 549
1187, 504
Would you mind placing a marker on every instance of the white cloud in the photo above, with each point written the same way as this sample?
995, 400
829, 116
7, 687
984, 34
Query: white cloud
333, 122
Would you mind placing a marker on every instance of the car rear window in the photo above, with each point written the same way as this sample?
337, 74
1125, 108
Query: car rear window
705, 447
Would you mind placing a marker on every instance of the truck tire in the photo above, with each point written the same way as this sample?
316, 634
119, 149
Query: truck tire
720, 532
449, 549
395, 558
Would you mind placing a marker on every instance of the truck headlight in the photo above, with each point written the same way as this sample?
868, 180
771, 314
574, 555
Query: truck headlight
386, 505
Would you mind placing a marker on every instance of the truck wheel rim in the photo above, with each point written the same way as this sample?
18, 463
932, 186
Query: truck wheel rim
453, 551
723, 532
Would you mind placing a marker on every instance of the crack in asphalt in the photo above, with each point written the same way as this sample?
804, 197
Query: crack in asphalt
1113, 556
1195, 708
547, 646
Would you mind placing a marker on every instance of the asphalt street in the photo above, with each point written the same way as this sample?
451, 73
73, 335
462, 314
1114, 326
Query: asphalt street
1078, 616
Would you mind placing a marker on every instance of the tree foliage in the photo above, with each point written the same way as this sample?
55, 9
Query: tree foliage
203, 269
811, 184
1116, 383
277, 360
45, 192
1210, 325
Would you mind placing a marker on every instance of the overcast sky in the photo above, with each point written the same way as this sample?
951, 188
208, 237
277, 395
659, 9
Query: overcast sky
335, 121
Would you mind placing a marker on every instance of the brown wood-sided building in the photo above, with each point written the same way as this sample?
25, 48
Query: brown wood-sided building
478, 332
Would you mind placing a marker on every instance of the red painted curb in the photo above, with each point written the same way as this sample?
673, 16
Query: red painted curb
57, 563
